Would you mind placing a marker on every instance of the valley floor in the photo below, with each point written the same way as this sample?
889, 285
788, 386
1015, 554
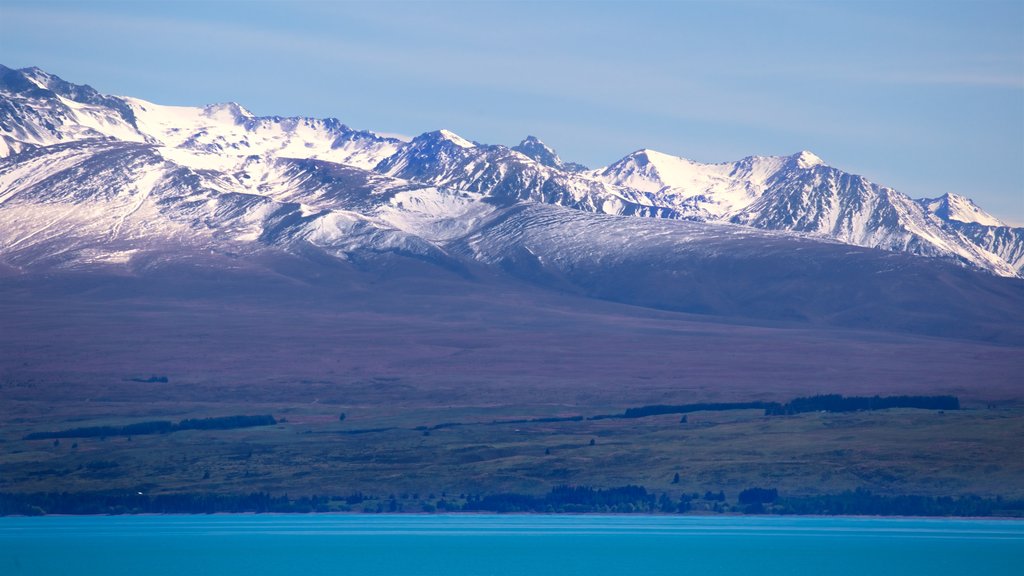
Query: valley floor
423, 381
422, 457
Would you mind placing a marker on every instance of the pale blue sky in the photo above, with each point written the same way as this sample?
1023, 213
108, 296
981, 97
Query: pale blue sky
926, 97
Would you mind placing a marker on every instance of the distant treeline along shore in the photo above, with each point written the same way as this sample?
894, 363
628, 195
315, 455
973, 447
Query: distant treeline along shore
561, 499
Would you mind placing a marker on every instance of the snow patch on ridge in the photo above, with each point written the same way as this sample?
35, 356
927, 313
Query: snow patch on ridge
456, 139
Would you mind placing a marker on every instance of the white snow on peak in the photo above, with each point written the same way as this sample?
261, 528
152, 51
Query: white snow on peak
961, 209
805, 159
455, 139
171, 125
228, 112
677, 172
706, 191
699, 190
223, 135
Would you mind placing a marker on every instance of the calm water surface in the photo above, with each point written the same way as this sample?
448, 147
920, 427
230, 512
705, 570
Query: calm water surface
502, 545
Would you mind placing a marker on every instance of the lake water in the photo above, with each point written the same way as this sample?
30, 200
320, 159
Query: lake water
483, 545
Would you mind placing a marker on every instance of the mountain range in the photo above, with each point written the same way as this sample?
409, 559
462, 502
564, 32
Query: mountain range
114, 185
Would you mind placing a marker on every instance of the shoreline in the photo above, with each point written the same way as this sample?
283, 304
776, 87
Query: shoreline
496, 515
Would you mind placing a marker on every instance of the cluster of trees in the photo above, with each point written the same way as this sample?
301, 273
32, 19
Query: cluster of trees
753, 500
659, 409
568, 499
158, 427
226, 422
758, 496
151, 380
863, 502
823, 402
839, 403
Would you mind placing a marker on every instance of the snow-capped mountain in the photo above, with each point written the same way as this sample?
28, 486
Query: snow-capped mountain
109, 201
981, 228
38, 109
532, 147
87, 177
829, 202
954, 208
697, 191
800, 193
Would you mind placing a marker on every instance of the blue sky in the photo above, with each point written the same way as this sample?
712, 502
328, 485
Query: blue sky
926, 97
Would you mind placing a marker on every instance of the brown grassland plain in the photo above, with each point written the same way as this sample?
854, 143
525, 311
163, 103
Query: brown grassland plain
399, 365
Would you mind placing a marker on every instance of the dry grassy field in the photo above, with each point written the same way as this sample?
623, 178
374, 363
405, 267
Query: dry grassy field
396, 365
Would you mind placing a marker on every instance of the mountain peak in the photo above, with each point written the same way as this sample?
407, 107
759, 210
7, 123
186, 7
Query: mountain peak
654, 155
442, 135
38, 83
532, 147
38, 76
27, 79
641, 158
807, 159
230, 110
951, 206
445, 134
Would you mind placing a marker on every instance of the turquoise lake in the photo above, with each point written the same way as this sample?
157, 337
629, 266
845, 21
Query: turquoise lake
484, 545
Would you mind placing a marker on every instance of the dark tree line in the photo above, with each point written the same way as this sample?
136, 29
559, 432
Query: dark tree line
572, 499
826, 403
568, 499
151, 380
758, 496
863, 502
158, 427
839, 403
659, 409
226, 422
820, 403
135, 503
